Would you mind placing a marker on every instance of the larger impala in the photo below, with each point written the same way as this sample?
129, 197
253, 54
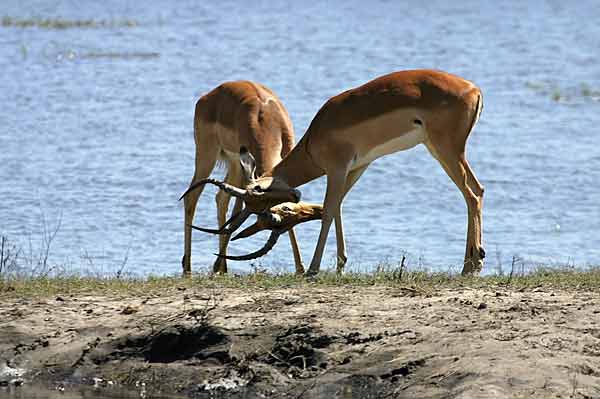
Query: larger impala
235, 114
391, 113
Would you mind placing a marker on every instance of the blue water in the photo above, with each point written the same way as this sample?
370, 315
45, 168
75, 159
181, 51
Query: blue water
96, 126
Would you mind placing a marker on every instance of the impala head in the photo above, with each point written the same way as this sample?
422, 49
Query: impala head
279, 219
283, 217
264, 192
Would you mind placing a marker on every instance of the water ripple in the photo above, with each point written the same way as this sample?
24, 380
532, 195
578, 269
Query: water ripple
96, 125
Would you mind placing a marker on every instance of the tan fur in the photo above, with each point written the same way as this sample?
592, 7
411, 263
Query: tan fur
236, 114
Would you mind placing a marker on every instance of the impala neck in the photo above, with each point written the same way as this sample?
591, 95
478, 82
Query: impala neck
298, 167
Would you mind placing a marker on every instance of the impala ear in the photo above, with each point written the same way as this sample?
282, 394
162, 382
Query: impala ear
248, 164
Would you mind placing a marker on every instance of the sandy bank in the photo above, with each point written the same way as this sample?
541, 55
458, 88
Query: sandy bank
310, 341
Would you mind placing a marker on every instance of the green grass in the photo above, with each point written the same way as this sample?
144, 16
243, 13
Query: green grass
420, 282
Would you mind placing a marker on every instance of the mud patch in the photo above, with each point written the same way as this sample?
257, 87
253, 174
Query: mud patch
299, 348
404, 370
361, 386
175, 343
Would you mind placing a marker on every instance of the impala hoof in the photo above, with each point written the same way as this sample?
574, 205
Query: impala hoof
220, 266
341, 263
185, 265
299, 269
311, 273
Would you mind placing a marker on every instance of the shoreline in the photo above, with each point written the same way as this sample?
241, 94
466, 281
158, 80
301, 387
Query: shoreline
421, 335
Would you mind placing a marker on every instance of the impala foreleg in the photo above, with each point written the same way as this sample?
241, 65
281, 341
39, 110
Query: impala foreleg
296, 251
331, 208
342, 256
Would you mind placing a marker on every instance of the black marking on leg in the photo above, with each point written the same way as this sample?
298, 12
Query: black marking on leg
418, 122
481, 253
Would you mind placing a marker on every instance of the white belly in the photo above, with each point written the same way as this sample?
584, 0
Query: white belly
400, 143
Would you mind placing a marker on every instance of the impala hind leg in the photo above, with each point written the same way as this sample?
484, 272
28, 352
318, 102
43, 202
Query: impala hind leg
204, 166
234, 177
478, 190
459, 170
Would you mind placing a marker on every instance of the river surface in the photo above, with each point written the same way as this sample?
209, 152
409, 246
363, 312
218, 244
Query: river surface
96, 138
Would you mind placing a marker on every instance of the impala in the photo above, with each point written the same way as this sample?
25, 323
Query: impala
392, 113
236, 114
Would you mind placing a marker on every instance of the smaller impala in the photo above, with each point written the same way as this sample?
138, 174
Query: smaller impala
392, 113
233, 115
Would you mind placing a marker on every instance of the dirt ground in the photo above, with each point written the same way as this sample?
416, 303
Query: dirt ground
309, 342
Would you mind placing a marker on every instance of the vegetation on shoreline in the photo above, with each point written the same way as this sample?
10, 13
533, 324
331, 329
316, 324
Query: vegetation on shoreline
565, 94
61, 23
421, 282
31, 275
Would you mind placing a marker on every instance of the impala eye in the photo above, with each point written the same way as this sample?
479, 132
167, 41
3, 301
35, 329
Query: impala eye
286, 209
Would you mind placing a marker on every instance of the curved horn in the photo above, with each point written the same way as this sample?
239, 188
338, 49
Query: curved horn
261, 252
222, 231
247, 232
266, 220
234, 221
228, 188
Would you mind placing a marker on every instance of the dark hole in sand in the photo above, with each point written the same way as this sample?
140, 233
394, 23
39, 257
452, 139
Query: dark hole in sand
180, 343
